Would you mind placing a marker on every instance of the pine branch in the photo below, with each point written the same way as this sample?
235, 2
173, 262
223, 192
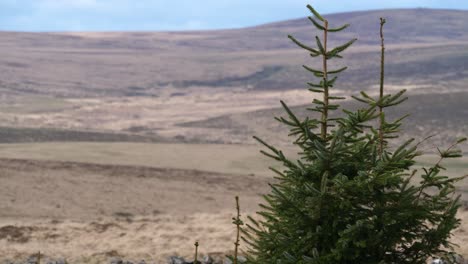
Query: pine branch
300, 44
316, 14
339, 28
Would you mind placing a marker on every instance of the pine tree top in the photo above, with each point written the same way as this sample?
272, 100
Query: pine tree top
350, 197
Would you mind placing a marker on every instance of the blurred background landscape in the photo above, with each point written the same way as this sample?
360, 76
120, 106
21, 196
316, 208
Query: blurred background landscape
134, 144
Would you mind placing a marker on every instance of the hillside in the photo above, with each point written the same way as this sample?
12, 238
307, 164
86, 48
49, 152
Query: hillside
133, 144
443, 116
424, 45
148, 83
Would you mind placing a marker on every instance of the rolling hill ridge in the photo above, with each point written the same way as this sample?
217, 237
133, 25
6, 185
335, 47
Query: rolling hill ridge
422, 44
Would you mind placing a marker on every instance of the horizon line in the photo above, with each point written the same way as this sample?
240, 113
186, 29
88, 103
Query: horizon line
225, 29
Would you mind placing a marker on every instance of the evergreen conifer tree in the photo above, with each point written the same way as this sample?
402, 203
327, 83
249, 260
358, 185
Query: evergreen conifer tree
351, 197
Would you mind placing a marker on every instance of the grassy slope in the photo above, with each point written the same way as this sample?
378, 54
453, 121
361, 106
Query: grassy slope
238, 159
21, 135
41, 70
421, 49
139, 64
220, 158
440, 114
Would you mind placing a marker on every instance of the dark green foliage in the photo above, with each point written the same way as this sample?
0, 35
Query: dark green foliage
352, 197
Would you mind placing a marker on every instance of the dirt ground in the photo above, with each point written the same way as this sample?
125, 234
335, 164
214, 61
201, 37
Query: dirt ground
147, 115
92, 212
95, 201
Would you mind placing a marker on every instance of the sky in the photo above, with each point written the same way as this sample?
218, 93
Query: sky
170, 15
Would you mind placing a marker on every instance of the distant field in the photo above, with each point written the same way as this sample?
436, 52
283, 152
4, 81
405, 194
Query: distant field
34, 105
221, 158
29, 135
217, 86
237, 159
442, 115
138, 210
89, 167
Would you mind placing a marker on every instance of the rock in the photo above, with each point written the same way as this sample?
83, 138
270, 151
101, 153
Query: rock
176, 260
32, 260
207, 260
58, 261
117, 261
120, 261
213, 258
240, 259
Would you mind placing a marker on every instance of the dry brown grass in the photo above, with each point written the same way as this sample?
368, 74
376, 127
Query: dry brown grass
87, 212
149, 238
219, 158
91, 201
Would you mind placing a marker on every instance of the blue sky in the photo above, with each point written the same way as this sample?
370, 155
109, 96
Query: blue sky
163, 15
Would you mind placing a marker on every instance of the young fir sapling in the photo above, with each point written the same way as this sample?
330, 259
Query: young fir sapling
353, 195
